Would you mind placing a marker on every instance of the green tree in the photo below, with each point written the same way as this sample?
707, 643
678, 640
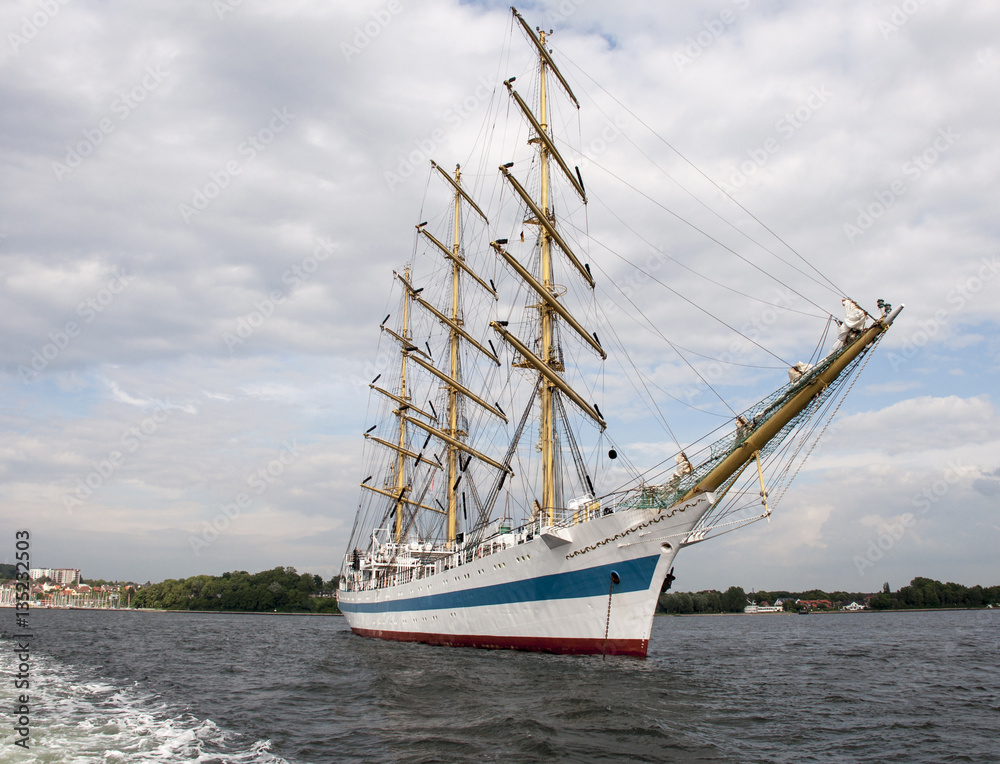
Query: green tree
974, 597
713, 602
685, 605
880, 601
734, 600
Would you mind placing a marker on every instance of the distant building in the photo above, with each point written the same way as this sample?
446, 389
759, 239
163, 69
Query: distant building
854, 606
814, 604
64, 576
751, 609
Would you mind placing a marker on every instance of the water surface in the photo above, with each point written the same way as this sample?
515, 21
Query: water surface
255, 689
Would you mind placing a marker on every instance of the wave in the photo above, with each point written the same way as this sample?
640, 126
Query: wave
76, 717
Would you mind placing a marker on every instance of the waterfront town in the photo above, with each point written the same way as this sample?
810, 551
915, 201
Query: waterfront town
64, 588
779, 606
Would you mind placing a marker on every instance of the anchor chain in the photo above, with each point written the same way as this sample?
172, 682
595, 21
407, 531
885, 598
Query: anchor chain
615, 579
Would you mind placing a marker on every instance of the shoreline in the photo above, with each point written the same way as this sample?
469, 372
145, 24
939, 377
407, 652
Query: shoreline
656, 615
155, 610
834, 612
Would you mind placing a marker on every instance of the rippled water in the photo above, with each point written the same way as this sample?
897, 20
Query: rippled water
252, 689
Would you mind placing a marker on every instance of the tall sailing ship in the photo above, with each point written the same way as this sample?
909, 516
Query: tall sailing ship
493, 514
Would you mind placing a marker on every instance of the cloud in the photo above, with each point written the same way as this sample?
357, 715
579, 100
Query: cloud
922, 424
253, 320
989, 484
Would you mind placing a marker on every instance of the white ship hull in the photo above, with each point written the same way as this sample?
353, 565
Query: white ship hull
551, 593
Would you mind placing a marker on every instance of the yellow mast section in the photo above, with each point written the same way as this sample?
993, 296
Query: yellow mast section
450, 430
401, 486
455, 332
771, 426
546, 323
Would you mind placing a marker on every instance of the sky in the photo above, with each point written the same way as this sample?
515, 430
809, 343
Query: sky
203, 203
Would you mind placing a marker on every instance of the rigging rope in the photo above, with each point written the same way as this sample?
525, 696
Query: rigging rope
665, 339
707, 235
688, 300
683, 265
839, 292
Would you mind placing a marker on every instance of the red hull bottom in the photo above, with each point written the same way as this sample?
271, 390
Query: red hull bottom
564, 646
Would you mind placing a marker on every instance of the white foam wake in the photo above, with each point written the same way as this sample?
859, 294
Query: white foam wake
77, 719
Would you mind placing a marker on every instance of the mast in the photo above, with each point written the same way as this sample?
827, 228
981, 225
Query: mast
547, 423
547, 362
399, 487
453, 393
451, 431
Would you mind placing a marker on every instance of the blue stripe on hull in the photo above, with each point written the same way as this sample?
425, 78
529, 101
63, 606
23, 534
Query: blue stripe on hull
636, 575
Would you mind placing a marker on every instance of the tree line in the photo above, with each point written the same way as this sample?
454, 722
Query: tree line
281, 590
926, 592
733, 600
920, 593
284, 590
